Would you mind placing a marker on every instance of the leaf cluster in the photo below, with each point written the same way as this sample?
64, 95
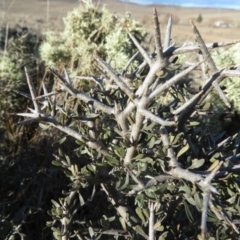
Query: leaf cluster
90, 31
18, 49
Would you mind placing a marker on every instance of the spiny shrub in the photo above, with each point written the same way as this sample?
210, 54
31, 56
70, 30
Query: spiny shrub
18, 49
145, 169
229, 59
90, 31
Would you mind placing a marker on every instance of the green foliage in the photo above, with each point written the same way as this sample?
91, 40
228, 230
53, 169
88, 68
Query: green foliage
18, 49
143, 162
199, 18
229, 59
89, 31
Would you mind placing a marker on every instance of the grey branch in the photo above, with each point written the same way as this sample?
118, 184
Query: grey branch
151, 232
141, 49
115, 78
168, 33
157, 35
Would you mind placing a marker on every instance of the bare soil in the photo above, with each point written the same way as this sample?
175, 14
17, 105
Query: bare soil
44, 15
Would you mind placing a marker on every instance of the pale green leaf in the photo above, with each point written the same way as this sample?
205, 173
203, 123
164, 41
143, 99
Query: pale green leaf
183, 150
196, 163
43, 126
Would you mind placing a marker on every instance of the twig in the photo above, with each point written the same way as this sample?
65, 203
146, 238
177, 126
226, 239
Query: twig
204, 49
212, 66
172, 81
189, 106
168, 33
82, 96
151, 232
116, 79
152, 182
129, 62
141, 49
195, 48
158, 42
155, 118
32, 91
206, 199
118, 202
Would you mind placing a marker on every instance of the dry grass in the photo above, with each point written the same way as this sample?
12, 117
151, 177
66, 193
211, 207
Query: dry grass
40, 15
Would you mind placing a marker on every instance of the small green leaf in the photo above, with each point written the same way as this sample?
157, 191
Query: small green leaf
49, 223
59, 211
122, 221
140, 214
61, 141
163, 236
186, 189
81, 200
146, 213
158, 226
149, 127
44, 127
125, 183
57, 235
194, 123
126, 142
180, 97
68, 173
227, 177
90, 167
190, 200
196, 163
56, 163
92, 115
139, 156
198, 201
152, 142
55, 203
119, 151
157, 207
140, 231
183, 150
91, 232
147, 159
212, 219
105, 223
175, 141
111, 219
112, 161
60, 152
68, 160
215, 163
188, 212
206, 106
79, 142
199, 237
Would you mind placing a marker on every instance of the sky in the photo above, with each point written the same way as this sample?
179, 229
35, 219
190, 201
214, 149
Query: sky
233, 4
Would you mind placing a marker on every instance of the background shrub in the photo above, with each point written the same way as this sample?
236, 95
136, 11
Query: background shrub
89, 31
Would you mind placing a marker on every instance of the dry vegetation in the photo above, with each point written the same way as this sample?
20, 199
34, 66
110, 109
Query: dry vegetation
37, 14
